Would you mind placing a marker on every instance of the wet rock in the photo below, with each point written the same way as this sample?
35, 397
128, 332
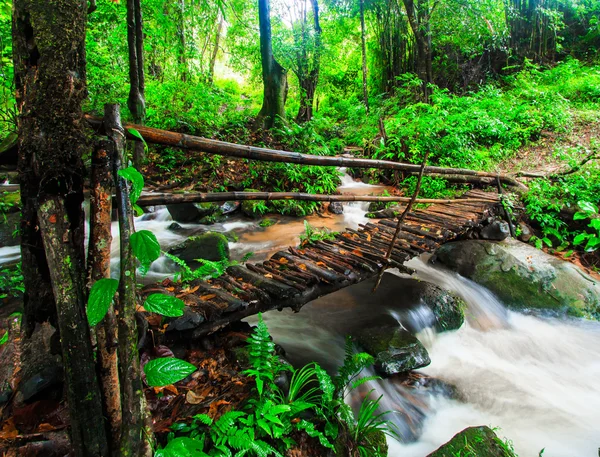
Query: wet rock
40, 382
474, 442
192, 212
497, 230
526, 232
335, 208
175, 227
230, 207
524, 277
394, 349
208, 245
267, 222
448, 308
190, 320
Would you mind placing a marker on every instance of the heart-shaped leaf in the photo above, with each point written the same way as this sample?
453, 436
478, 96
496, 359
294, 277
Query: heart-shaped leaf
165, 305
137, 182
100, 299
165, 371
145, 247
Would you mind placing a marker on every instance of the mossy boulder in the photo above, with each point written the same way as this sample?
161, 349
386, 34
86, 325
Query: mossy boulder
209, 246
394, 349
448, 308
474, 442
524, 277
193, 212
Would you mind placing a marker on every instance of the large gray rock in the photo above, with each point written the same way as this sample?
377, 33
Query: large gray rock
524, 277
192, 212
394, 349
474, 442
497, 230
335, 208
209, 246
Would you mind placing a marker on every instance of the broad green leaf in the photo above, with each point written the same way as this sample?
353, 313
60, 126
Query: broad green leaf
547, 242
182, 447
165, 305
580, 215
138, 210
580, 238
166, 371
588, 206
595, 223
593, 244
4, 338
145, 247
137, 182
101, 296
139, 136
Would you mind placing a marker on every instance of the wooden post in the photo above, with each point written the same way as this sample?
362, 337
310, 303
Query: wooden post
134, 431
98, 268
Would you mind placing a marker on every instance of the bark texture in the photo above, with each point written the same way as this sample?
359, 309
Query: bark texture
99, 267
274, 75
50, 78
135, 433
136, 101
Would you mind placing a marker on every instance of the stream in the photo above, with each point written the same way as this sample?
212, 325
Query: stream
534, 379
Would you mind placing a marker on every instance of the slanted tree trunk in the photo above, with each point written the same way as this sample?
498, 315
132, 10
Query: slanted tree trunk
213, 59
308, 75
363, 40
136, 101
274, 75
50, 76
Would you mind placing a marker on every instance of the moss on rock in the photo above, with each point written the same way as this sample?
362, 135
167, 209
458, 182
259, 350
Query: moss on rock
474, 442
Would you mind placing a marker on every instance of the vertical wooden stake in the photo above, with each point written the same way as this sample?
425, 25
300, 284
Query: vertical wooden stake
134, 431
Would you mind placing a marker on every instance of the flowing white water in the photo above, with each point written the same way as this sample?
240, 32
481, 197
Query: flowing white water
535, 379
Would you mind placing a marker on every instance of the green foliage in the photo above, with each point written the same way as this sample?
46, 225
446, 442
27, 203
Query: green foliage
264, 427
312, 234
145, 247
165, 305
591, 240
101, 297
167, 370
4, 338
136, 179
11, 281
207, 269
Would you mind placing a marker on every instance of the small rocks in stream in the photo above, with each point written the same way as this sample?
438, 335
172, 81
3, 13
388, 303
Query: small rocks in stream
335, 208
447, 307
395, 350
526, 232
175, 227
230, 207
192, 212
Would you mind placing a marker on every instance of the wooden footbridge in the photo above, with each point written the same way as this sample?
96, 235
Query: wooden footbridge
295, 277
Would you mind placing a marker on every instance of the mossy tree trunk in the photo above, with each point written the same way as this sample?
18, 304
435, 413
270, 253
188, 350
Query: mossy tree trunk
136, 101
50, 78
419, 16
274, 75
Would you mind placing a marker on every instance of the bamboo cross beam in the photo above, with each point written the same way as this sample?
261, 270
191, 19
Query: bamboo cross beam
151, 199
196, 143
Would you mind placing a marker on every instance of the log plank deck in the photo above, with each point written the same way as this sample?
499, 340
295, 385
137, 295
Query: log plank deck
297, 276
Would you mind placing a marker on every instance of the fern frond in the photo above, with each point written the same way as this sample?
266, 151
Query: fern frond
311, 431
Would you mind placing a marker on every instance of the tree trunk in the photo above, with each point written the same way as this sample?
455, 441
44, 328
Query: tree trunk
310, 78
135, 433
418, 18
182, 54
213, 59
50, 76
136, 101
363, 40
98, 268
274, 75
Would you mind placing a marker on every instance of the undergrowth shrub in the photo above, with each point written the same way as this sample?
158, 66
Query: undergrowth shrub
267, 424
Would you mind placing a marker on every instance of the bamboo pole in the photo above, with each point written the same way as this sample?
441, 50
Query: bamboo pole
149, 199
195, 143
